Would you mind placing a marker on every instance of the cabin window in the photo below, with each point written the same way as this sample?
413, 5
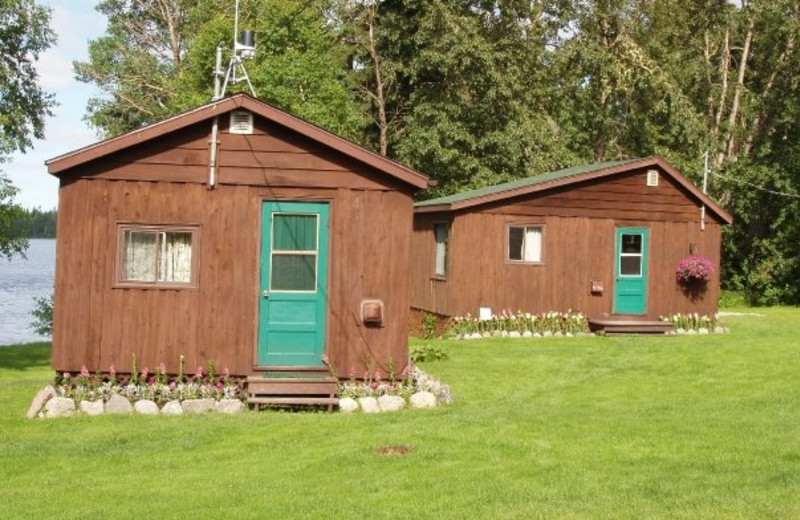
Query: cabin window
524, 244
154, 255
441, 232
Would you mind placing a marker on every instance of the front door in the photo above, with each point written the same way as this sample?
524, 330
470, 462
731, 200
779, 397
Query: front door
630, 283
294, 265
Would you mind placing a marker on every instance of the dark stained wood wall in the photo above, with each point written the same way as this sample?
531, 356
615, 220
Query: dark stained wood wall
163, 182
579, 246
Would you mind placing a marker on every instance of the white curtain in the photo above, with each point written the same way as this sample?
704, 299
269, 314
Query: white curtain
139, 262
441, 248
176, 257
533, 244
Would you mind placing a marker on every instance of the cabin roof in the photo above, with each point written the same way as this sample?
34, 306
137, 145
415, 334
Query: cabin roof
62, 163
559, 178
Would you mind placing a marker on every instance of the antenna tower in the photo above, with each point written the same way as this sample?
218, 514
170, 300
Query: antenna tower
244, 48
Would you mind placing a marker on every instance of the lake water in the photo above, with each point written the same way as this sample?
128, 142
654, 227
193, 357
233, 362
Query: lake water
21, 281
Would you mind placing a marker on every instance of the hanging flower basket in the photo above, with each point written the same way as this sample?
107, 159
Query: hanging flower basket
694, 269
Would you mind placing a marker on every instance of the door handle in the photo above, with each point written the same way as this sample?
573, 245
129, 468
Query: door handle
265, 293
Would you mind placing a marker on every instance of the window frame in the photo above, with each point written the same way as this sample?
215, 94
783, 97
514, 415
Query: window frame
447, 247
123, 227
507, 242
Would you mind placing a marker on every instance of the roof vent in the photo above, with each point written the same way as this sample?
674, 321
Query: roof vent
652, 178
241, 122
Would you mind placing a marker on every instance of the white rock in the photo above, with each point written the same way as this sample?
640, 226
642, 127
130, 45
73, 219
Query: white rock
702, 330
503, 333
680, 331
229, 406
348, 405
91, 407
41, 398
537, 335
547, 334
691, 331
569, 335
146, 407
475, 335
59, 407
391, 403
486, 334
369, 405
558, 334
423, 400
496, 334
118, 405
514, 334
719, 330
527, 334
172, 408
197, 406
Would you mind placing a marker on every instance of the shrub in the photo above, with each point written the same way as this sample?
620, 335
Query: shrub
426, 352
43, 316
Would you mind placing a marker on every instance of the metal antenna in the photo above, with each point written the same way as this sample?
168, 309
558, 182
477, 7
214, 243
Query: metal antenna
244, 48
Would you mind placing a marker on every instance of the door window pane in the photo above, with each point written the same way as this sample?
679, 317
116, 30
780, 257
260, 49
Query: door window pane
630, 265
632, 244
294, 232
293, 272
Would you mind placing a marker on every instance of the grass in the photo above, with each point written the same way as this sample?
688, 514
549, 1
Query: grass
668, 427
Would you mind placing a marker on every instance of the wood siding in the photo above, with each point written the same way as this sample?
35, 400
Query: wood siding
579, 247
164, 182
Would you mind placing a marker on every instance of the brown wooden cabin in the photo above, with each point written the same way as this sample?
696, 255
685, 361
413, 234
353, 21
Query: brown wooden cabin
296, 245
604, 239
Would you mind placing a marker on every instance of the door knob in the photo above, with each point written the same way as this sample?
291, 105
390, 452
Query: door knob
265, 293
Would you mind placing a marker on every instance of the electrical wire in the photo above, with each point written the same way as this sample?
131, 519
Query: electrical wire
756, 186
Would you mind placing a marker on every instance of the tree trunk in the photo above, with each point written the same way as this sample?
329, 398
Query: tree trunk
737, 93
724, 64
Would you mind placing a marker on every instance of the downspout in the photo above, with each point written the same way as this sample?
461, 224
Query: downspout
705, 189
214, 143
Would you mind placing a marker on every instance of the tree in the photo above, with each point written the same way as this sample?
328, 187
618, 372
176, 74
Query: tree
24, 34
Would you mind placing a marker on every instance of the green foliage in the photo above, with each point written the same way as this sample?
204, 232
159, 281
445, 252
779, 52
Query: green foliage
12, 241
36, 223
429, 325
426, 352
43, 316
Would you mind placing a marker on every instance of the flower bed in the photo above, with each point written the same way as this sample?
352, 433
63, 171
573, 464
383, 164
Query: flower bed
521, 324
374, 394
694, 323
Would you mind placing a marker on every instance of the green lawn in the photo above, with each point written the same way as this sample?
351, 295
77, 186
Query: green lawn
668, 427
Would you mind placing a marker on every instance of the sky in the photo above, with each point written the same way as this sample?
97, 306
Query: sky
75, 22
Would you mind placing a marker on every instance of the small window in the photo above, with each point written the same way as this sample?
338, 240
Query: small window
441, 232
525, 244
155, 255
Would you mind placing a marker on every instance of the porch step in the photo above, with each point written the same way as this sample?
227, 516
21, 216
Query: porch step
615, 326
322, 401
289, 388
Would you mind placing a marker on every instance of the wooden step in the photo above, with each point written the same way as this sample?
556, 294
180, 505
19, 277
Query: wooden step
270, 386
326, 401
630, 326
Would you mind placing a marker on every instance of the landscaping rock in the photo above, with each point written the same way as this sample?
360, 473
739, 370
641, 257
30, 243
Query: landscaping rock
527, 334
537, 335
197, 406
41, 398
691, 331
558, 334
146, 407
680, 331
118, 405
475, 335
91, 407
503, 333
172, 408
423, 400
569, 335
496, 334
486, 335
547, 334
229, 406
391, 403
348, 405
59, 407
702, 330
514, 334
369, 405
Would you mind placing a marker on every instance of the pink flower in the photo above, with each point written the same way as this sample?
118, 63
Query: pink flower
199, 372
227, 372
162, 369
145, 372
65, 375
112, 370
172, 385
352, 371
84, 371
151, 381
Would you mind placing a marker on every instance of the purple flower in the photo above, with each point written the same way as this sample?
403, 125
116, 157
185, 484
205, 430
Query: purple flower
694, 268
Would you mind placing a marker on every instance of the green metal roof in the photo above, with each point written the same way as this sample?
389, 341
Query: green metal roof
522, 183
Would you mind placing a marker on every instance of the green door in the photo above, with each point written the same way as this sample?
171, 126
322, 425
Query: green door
630, 278
294, 266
